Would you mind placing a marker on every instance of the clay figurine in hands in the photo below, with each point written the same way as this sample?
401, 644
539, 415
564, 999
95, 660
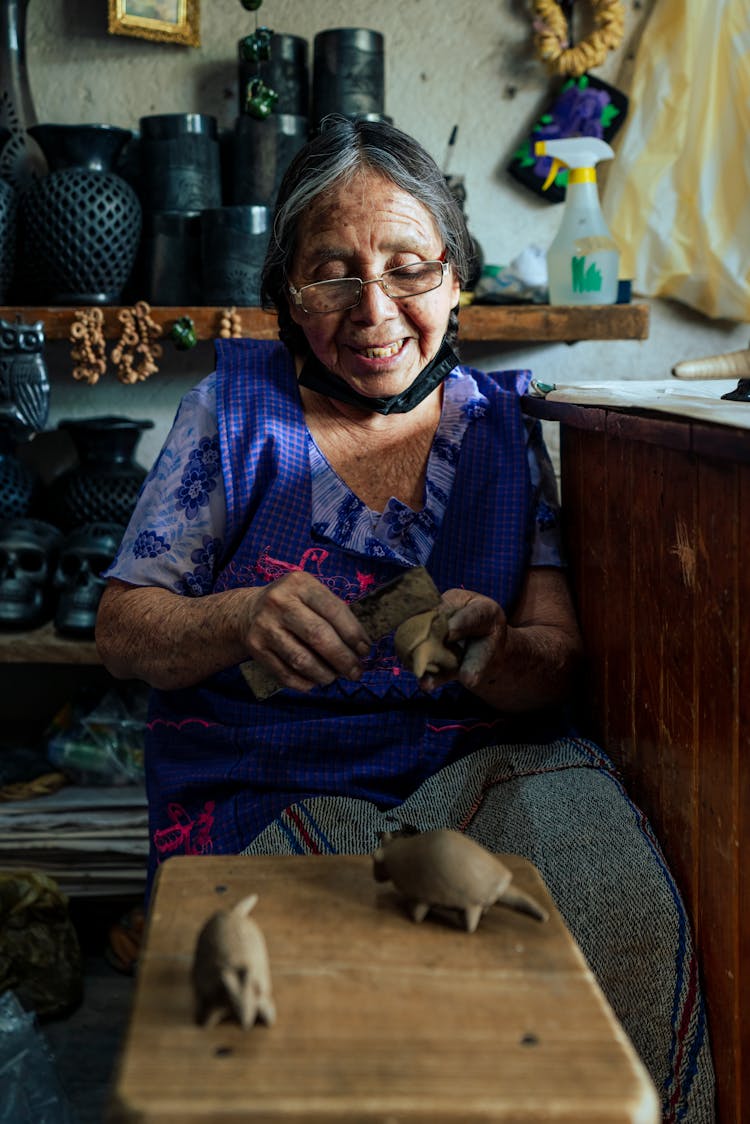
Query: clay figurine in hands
231, 976
448, 870
420, 644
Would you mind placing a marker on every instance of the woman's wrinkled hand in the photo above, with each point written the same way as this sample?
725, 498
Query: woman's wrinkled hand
478, 627
303, 633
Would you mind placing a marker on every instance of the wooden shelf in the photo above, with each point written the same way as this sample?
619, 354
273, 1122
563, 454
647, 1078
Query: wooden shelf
44, 645
539, 323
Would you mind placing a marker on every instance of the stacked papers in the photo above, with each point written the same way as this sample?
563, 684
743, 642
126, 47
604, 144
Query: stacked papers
699, 399
92, 841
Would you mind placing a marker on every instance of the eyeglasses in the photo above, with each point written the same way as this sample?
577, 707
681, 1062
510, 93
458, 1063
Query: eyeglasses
346, 292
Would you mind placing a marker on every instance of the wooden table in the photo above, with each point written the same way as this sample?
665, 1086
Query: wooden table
657, 526
379, 1019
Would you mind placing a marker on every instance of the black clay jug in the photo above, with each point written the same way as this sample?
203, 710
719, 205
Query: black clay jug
103, 486
80, 225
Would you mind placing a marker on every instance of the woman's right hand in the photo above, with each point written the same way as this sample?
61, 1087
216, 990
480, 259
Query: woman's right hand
295, 627
304, 634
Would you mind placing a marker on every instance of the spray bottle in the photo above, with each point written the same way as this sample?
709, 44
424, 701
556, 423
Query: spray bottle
583, 260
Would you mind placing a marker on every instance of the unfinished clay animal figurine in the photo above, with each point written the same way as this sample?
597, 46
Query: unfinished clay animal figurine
448, 870
420, 644
231, 975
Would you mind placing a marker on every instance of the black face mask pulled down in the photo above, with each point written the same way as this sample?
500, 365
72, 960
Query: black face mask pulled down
315, 376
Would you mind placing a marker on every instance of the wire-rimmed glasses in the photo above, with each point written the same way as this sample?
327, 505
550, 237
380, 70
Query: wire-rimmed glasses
342, 293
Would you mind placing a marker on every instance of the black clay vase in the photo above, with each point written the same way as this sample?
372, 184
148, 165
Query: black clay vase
80, 224
21, 159
180, 162
234, 241
8, 224
261, 151
171, 251
103, 486
348, 73
17, 481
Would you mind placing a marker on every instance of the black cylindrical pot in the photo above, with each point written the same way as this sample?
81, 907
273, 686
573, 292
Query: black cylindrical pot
286, 72
80, 225
180, 162
348, 73
103, 486
260, 154
171, 253
234, 242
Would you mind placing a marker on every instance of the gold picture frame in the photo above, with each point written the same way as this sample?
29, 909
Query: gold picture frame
166, 21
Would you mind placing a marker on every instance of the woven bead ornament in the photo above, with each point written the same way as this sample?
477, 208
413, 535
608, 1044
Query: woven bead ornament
88, 348
137, 351
552, 40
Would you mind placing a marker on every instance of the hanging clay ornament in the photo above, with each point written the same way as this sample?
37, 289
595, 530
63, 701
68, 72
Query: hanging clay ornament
260, 99
257, 47
231, 976
446, 870
251, 5
421, 646
183, 334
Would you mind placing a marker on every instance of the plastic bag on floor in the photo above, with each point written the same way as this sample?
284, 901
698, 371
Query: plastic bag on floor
40, 957
30, 1090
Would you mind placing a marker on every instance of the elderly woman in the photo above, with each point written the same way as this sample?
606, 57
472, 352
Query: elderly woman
305, 473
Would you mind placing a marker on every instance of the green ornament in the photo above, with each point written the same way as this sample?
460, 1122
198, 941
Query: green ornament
257, 47
251, 5
183, 334
260, 99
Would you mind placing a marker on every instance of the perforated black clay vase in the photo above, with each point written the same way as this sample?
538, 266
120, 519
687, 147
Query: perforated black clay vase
80, 224
103, 486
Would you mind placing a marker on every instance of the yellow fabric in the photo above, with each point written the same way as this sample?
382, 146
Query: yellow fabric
678, 196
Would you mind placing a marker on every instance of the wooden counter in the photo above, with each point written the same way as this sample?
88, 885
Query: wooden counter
378, 1018
657, 513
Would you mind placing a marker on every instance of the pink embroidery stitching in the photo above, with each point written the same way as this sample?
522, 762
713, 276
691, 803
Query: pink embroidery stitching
178, 835
179, 725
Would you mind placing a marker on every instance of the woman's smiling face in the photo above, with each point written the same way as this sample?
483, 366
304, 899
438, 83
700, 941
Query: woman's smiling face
361, 229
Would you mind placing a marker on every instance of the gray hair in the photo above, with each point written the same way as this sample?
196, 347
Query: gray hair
341, 149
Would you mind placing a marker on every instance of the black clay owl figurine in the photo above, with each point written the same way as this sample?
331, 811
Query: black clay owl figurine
24, 386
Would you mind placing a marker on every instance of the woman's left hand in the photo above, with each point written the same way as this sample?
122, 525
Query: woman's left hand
478, 627
518, 663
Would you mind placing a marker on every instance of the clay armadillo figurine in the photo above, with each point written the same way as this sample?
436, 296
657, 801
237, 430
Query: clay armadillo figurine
447, 869
231, 975
421, 645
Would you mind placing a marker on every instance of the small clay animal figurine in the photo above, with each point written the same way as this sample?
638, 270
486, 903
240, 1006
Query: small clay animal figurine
231, 975
448, 870
420, 644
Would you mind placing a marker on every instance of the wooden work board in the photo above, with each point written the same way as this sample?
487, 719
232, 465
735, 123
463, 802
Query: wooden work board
378, 1018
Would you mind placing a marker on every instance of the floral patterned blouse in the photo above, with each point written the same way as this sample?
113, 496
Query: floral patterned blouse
176, 533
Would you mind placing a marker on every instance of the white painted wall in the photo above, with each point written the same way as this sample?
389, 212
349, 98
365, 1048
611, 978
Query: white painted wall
470, 64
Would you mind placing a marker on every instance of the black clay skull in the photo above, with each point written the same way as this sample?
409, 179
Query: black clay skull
28, 554
86, 551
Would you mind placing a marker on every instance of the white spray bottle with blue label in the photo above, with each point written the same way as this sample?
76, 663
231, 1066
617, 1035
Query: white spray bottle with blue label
583, 261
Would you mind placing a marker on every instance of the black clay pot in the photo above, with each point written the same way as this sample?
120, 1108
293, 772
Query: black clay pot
103, 486
286, 72
348, 73
180, 162
171, 252
80, 225
17, 486
234, 241
21, 159
261, 152
8, 224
